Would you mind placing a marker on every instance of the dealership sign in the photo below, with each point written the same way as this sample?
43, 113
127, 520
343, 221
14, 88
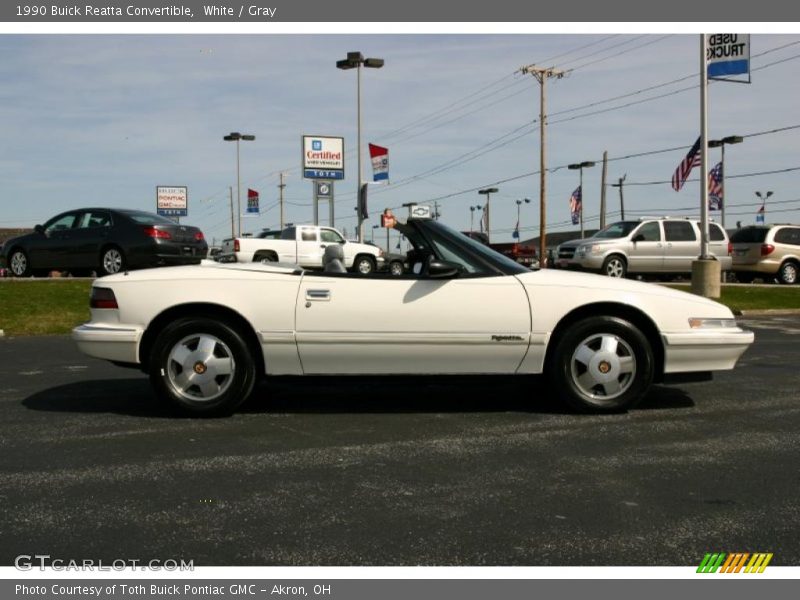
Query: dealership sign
172, 201
323, 157
728, 54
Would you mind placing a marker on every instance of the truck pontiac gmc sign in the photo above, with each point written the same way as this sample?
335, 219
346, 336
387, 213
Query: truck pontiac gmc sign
323, 157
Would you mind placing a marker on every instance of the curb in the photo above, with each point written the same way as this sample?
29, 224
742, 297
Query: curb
766, 312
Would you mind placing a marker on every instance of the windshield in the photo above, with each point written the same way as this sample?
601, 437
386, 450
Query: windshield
146, 218
750, 235
616, 230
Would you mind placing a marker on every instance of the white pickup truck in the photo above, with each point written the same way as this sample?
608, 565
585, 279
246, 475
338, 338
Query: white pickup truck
303, 245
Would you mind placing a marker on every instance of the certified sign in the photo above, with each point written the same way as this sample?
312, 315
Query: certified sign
323, 157
172, 201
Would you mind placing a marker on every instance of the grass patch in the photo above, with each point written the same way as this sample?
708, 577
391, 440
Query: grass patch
746, 297
49, 307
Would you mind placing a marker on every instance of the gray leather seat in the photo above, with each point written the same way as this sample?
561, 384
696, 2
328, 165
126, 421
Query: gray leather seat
333, 259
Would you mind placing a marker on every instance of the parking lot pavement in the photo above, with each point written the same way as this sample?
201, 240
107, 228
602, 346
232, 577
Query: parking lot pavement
415, 471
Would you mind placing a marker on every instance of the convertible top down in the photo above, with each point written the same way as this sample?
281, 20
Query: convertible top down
207, 333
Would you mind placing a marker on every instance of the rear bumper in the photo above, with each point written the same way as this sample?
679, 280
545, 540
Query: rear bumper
704, 350
109, 342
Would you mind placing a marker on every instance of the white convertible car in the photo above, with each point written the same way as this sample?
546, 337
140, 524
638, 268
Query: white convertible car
207, 333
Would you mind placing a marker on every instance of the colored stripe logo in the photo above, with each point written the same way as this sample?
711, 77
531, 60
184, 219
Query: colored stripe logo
734, 562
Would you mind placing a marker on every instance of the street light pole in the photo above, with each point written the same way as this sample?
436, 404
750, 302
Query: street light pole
519, 204
488, 193
235, 136
763, 205
731, 139
355, 60
580, 166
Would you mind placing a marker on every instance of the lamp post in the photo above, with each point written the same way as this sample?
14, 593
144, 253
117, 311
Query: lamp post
580, 167
731, 139
488, 193
235, 136
762, 212
355, 60
519, 205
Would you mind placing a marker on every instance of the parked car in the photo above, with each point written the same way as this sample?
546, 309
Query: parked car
104, 240
303, 245
646, 246
767, 251
206, 334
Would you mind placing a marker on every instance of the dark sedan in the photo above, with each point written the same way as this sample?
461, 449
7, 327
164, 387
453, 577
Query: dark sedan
103, 240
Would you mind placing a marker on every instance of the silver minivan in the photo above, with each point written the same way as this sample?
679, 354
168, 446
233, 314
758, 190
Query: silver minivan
664, 245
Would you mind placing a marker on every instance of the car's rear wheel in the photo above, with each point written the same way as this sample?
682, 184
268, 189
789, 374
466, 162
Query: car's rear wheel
267, 256
364, 265
18, 263
112, 260
202, 367
615, 266
602, 364
396, 268
788, 273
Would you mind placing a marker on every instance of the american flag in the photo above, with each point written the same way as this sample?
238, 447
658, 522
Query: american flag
715, 188
760, 214
690, 161
576, 205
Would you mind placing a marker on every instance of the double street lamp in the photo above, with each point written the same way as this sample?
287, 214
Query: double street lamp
472, 210
235, 136
355, 60
519, 205
580, 167
731, 139
761, 216
488, 193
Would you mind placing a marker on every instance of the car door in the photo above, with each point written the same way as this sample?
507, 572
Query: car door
354, 324
309, 251
682, 246
646, 253
331, 236
51, 250
87, 237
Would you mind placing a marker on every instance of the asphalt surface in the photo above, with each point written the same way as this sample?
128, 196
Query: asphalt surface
444, 471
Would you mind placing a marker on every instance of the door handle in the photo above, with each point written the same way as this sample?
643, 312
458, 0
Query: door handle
324, 295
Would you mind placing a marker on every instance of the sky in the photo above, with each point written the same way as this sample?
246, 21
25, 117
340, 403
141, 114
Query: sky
101, 120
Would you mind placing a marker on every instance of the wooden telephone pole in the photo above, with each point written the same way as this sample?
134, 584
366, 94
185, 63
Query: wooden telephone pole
281, 185
542, 74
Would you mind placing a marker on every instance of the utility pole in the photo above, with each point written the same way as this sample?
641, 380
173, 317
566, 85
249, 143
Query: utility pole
281, 185
603, 191
233, 232
542, 74
621, 199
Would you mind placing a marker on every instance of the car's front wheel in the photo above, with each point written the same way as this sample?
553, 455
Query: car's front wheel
364, 265
615, 266
396, 268
788, 273
602, 364
202, 366
18, 264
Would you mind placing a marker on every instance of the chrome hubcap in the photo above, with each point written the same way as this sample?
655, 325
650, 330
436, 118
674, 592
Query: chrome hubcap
18, 263
603, 366
789, 273
112, 261
365, 266
200, 367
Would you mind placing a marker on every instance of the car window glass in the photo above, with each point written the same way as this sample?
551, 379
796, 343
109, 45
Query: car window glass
61, 223
289, 233
651, 231
788, 235
616, 230
715, 233
308, 235
679, 231
91, 219
330, 237
749, 235
146, 218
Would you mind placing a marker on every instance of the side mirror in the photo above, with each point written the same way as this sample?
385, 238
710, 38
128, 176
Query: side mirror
638, 238
442, 269
39, 229
343, 242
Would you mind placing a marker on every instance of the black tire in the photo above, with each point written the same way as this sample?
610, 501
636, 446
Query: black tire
615, 266
211, 388
112, 260
364, 264
601, 365
788, 273
745, 277
268, 256
18, 263
396, 268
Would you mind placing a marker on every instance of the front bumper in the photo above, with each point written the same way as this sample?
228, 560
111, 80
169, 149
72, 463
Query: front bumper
712, 350
109, 342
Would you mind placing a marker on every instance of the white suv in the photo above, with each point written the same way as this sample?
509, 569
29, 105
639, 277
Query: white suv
647, 246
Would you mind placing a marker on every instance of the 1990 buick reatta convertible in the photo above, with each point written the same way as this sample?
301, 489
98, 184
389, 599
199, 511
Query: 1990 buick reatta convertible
206, 333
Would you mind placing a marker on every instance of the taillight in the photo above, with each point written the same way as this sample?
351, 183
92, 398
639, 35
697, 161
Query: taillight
199, 237
767, 249
730, 248
236, 247
160, 234
103, 298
